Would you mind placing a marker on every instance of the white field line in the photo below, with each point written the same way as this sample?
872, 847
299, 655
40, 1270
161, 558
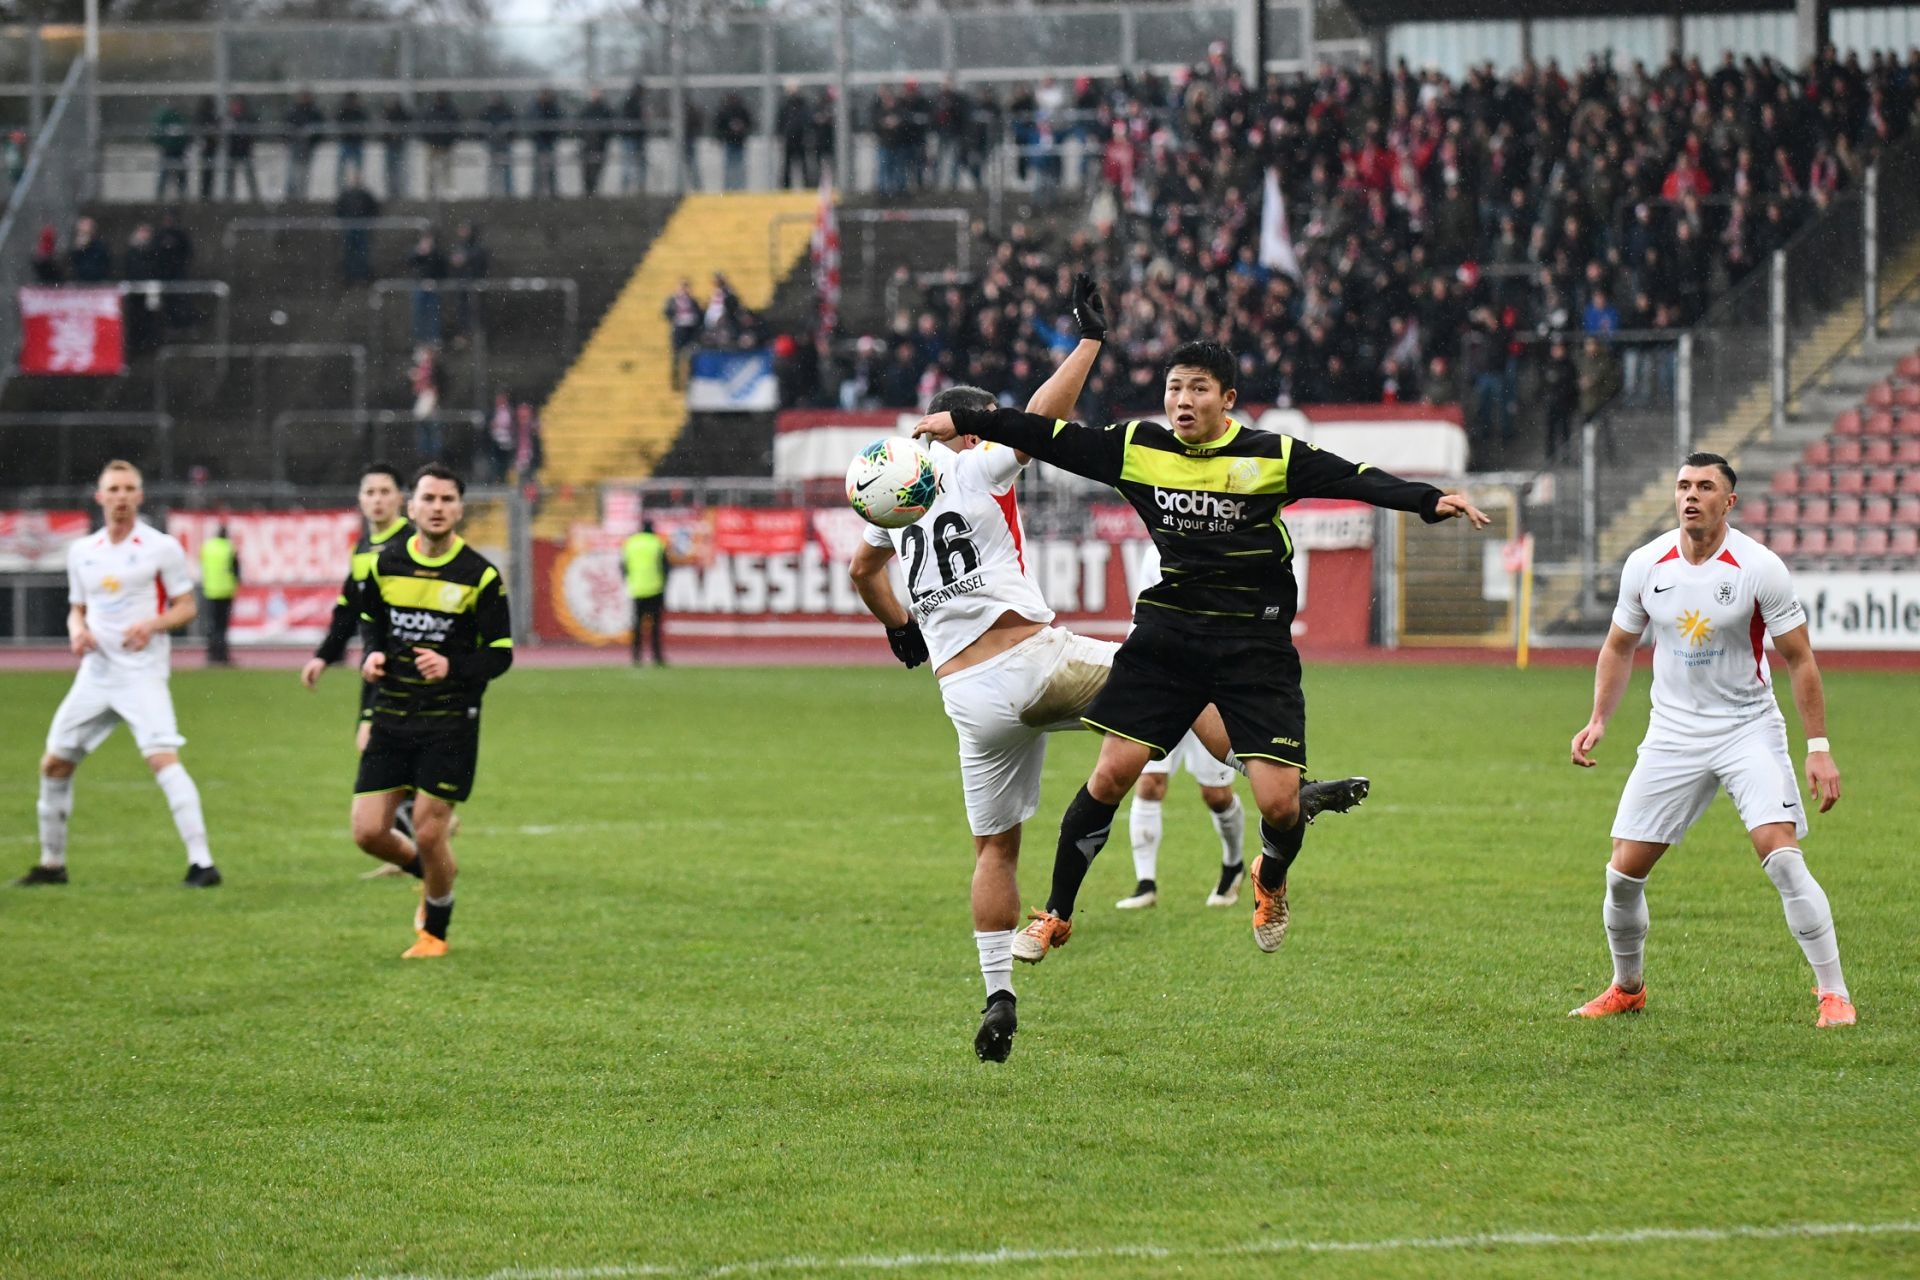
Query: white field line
1002, 1257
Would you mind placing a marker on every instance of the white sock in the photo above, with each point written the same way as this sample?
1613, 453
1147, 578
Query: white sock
1808, 915
996, 959
184, 799
1143, 822
56, 806
1625, 915
1231, 823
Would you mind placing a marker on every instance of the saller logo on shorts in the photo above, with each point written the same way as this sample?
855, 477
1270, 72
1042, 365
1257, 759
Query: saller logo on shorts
1186, 503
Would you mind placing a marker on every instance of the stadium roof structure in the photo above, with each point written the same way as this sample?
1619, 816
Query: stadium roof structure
1377, 14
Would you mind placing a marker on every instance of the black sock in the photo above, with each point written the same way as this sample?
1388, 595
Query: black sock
999, 997
1280, 849
412, 867
439, 917
1083, 833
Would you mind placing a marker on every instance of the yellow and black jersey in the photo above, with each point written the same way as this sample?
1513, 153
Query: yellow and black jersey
1213, 510
452, 604
347, 609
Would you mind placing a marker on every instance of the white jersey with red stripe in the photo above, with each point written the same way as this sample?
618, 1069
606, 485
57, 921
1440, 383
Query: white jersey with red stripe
966, 559
1709, 622
120, 583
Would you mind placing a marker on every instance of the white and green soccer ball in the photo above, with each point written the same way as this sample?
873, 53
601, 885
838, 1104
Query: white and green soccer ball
892, 483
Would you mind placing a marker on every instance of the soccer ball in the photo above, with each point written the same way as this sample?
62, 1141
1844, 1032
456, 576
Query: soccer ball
892, 483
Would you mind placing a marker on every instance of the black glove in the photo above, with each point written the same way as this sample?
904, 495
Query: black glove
1089, 312
908, 644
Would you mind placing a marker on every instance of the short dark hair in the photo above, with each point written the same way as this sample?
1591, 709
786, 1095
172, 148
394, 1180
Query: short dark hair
1211, 356
383, 469
438, 471
962, 397
1713, 460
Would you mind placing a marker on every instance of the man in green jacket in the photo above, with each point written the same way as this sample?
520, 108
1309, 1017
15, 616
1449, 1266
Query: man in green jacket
645, 554
219, 581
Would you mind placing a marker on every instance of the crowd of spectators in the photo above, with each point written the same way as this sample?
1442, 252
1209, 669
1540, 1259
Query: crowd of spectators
162, 252
1456, 243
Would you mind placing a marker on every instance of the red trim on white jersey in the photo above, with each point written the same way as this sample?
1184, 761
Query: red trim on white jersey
1757, 633
1010, 508
1727, 555
1673, 553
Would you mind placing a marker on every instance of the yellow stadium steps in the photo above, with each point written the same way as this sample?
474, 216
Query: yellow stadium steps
616, 413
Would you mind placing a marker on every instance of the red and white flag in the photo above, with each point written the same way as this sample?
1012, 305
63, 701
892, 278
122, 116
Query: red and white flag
71, 331
826, 261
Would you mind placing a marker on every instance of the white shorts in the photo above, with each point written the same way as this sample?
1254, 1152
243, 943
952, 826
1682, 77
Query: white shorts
1671, 785
1004, 708
1190, 754
94, 706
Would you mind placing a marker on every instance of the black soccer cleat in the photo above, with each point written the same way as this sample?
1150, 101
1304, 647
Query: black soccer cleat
994, 1041
41, 875
1334, 796
201, 877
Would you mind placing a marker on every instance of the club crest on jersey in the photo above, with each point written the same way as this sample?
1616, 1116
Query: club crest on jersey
1243, 474
450, 595
1725, 594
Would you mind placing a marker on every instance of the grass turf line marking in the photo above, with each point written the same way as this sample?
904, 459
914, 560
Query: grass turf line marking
1000, 1257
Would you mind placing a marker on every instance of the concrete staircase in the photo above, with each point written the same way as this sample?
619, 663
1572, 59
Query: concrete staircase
616, 412
1828, 370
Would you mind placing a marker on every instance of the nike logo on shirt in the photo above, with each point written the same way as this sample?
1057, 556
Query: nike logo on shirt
1658, 590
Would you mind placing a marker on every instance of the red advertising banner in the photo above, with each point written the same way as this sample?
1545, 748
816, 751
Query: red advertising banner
762, 575
72, 332
37, 541
291, 565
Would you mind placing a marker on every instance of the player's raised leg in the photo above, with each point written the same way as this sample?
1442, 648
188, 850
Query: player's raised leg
1276, 790
1084, 829
432, 826
375, 834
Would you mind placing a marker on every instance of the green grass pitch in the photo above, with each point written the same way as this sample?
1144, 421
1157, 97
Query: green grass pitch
712, 995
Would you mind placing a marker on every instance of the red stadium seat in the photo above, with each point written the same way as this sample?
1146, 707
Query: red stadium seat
1813, 542
1906, 453
1878, 453
1880, 395
1881, 482
1908, 369
1873, 543
1879, 424
1907, 511
1907, 425
1847, 453
1820, 453
1907, 396
1847, 424
1876, 511
1787, 481
1849, 480
1784, 540
1904, 544
1815, 510
1753, 513
1845, 543
1845, 511
1816, 480
1910, 482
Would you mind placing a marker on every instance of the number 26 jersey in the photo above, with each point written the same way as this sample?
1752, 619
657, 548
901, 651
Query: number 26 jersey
966, 560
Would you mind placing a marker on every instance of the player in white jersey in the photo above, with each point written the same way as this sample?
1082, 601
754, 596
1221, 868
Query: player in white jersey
1215, 779
127, 587
1711, 596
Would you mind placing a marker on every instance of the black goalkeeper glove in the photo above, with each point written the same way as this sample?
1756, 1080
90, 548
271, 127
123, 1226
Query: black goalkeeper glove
1089, 311
908, 644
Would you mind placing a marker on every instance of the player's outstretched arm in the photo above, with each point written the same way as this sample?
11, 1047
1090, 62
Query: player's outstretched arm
1093, 452
1810, 699
1057, 395
868, 570
1610, 676
1315, 473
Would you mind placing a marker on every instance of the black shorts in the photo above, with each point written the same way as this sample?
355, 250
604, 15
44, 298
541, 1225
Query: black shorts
1163, 678
438, 762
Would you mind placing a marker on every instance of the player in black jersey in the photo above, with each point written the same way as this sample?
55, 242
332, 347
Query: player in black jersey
440, 632
381, 499
1218, 626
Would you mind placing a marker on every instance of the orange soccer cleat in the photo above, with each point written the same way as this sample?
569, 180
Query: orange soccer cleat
1611, 1001
425, 947
1270, 912
1835, 1009
1046, 932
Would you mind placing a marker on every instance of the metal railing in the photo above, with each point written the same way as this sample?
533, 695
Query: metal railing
259, 354
366, 424
49, 192
238, 226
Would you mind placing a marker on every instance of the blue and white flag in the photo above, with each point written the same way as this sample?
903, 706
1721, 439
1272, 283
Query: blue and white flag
733, 382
